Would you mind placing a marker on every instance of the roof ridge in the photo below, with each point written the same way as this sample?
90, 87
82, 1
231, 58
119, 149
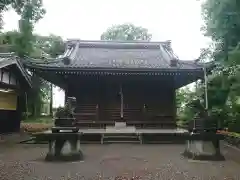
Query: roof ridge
12, 58
188, 62
118, 41
7, 54
28, 59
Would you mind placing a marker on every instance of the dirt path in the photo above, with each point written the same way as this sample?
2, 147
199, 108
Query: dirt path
108, 161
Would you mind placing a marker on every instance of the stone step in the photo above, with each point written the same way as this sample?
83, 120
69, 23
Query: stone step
120, 136
124, 142
163, 142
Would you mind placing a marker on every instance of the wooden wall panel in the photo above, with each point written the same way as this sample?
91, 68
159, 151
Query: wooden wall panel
13, 79
8, 101
10, 120
154, 96
88, 93
7, 77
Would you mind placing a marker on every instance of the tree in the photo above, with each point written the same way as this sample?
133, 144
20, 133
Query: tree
43, 47
51, 46
30, 13
222, 24
184, 98
21, 42
28, 9
1, 22
127, 32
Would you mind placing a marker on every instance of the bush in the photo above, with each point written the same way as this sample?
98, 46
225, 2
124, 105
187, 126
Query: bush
63, 112
35, 127
231, 137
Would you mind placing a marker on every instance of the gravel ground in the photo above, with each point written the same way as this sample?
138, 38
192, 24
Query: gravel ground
114, 161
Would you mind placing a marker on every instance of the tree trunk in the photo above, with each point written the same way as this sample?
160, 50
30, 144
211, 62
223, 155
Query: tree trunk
51, 100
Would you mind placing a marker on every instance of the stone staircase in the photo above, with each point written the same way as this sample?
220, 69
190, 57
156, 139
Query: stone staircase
132, 138
120, 133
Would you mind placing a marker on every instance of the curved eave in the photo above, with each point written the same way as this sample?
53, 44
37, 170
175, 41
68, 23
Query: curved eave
45, 68
29, 60
181, 77
24, 73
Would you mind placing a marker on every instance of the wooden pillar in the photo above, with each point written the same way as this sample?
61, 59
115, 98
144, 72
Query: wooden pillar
174, 105
121, 96
19, 111
66, 95
51, 100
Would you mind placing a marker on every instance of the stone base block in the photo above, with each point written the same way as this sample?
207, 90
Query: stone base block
128, 129
66, 157
203, 156
120, 125
201, 150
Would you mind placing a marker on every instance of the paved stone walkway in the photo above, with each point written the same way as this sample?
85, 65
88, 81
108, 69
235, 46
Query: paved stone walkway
114, 161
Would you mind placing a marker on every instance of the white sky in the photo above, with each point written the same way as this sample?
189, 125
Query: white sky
176, 20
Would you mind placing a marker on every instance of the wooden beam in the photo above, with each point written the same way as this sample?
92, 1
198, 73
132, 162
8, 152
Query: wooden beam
1, 71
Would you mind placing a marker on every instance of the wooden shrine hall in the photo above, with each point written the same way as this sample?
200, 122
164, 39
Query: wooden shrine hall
14, 82
126, 81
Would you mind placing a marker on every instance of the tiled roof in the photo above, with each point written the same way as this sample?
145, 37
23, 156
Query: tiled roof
115, 54
8, 59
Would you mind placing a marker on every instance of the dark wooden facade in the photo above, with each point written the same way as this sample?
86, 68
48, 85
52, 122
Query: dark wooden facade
140, 102
13, 84
133, 82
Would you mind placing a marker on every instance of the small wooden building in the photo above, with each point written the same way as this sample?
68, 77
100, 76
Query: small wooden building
126, 81
14, 81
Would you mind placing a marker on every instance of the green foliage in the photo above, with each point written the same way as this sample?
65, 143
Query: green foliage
222, 20
222, 24
127, 32
185, 97
25, 43
63, 112
51, 46
25, 8
30, 13
1, 22
42, 46
42, 119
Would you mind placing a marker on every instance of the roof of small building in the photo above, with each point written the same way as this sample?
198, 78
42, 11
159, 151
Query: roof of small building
80, 54
9, 59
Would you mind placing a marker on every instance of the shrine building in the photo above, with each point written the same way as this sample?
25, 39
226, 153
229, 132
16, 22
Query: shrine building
127, 81
14, 83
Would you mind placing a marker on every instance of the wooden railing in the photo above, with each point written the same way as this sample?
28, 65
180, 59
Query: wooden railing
89, 115
86, 114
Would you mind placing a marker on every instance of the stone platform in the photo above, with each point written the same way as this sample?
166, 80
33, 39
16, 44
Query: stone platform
120, 127
198, 146
203, 146
63, 146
